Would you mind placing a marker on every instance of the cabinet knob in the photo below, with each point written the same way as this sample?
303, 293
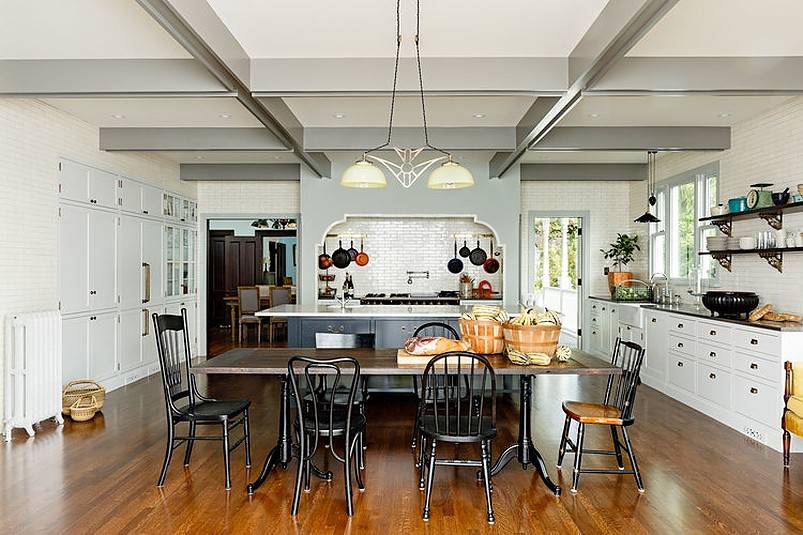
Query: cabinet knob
680, 344
754, 390
712, 332
713, 354
680, 364
628, 328
712, 376
754, 342
753, 366
680, 325
654, 320
603, 309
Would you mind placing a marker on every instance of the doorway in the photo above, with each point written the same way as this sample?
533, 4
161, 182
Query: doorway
555, 269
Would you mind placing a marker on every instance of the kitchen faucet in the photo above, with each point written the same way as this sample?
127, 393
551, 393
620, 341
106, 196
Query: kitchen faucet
416, 275
667, 293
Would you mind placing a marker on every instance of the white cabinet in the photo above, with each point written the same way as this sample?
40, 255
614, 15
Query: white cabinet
192, 314
130, 332
102, 188
129, 261
150, 354
139, 198
152, 265
73, 272
180, 265
102, 345
86, 184
604, 323
102, 272
74, 349
151, 201
657, 329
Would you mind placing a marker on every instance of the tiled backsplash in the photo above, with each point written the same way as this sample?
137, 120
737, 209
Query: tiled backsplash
396, 245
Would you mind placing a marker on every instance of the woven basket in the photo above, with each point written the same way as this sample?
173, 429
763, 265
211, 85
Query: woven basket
533, 338
485, 336
84, 409
84, 388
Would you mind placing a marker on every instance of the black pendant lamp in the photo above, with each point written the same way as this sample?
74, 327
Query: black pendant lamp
648, 217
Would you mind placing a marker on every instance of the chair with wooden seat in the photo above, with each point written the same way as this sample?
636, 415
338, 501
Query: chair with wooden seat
616, 411
792, 420
249, 306
171, 334
279, 295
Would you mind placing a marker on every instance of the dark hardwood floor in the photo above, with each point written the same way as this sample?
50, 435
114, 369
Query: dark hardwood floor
100, 476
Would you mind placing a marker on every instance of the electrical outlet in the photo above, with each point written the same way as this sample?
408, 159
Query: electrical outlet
755, 434
606, 271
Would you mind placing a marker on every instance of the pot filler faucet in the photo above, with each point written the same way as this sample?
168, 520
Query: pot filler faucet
416, 275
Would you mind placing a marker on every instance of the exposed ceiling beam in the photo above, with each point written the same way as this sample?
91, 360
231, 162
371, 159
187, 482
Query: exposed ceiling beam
199, 30
636, 138
462, 138
615, 31
534, 115
189, 139
241, 172
108, 77
583, 171
704, 75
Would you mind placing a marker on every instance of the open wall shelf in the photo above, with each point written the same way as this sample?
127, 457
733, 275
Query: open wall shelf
773, 215
774, 256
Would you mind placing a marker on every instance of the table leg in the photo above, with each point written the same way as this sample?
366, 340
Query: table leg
233, 324
282, 452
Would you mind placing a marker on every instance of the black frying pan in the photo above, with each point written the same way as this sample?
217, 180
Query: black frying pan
341, 258
324, 260
491, 265
477, 255
353, 252
465, 251
455, 265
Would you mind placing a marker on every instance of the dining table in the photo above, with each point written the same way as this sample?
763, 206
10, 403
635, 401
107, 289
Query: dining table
383, 361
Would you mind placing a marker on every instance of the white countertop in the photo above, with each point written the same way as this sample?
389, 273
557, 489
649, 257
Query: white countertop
370, 311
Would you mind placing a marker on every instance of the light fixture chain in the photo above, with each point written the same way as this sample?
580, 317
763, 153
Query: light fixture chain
395, 80
421, 78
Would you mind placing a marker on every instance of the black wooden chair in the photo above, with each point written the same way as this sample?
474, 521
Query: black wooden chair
449, 413
432, 328
615, 411
172, 340
320, 416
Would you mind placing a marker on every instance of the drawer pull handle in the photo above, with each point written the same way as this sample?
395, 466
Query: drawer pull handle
603, 309
712, 332
628, 328
680, 364
713, 354
754, 342
654, 320
753, 366
712, 376
680, 325
754, 390
680, 344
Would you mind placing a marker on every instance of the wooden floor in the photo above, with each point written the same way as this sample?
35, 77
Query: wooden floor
100, 476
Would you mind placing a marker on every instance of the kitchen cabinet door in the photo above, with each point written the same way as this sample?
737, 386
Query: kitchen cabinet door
102, 188
73, 181
102, 231
149, 353
73, 272
130, 195
74, 349
129, 339
175, 308
102, 345
393, 333
129, 262
657, 344
335, 325
151, 200
153, 289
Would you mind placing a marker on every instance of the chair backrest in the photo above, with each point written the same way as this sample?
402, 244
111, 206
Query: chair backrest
621, 389
437, 328
249, 299
172, 344
264, 290
279, 295
459, 391
344, 340
322, 400
288, 281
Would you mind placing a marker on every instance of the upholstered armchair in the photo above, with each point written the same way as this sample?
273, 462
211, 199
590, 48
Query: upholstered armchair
792, 421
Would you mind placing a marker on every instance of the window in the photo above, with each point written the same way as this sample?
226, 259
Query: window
676, 241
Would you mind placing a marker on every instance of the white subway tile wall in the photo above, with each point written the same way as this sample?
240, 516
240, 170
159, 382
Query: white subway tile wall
767, 148
400, 244
248, 198
33, 137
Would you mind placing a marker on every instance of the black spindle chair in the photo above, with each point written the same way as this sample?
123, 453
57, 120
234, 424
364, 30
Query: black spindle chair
184, 403
323, 416
615, 411
458, 405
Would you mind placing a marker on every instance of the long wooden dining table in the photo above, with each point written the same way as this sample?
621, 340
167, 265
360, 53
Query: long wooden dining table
383, 362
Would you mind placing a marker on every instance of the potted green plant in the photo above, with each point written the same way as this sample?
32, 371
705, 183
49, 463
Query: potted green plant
620, 253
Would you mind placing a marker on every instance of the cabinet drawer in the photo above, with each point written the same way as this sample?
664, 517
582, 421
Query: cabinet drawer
714, 354
681, 344
711, 331
714, 385
755, 400
751, 341
682, 325
681, 372
309, 327
757, 367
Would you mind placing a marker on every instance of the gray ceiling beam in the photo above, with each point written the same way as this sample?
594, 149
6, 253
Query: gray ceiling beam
198, 29
189, 139
240, 172
703, 75
107, 77
615, 31
533, 116
635, 138
533, 172
461, 138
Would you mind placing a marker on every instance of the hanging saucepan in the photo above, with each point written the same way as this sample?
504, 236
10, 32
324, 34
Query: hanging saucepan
353, 252
362, 256
465, 251
341, 258
324, 260
477, 255
491, 264
455, 265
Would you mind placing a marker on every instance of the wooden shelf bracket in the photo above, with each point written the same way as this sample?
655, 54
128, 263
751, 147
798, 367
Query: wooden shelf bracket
724, 259
775, 259
773, 219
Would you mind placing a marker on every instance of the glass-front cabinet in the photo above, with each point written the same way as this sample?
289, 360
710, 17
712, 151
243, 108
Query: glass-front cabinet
178, 208
180, 265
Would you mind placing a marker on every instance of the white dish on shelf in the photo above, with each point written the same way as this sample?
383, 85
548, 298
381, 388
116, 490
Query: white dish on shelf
748, 242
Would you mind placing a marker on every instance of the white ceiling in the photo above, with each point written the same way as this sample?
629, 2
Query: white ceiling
366, 28
699, 110
441, 110
222, 156
82, 29
534, 156
726, 28
158, 112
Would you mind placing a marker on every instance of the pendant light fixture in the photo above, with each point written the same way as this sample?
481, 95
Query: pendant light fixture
649, 217
366, 174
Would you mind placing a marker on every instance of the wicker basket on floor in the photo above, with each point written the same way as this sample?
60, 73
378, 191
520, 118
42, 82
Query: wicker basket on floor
533, 338
485, 336
77, 390
84, 409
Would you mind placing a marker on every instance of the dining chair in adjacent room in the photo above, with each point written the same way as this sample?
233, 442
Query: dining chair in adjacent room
320, 418
249, 306
279, 295
615, 411
451, 414
185, 404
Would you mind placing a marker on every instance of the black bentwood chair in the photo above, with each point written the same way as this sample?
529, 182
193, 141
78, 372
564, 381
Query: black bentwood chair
321, 416
615, 411
171, 334
450, 413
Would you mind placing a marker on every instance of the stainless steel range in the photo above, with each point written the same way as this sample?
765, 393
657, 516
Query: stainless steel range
441, 298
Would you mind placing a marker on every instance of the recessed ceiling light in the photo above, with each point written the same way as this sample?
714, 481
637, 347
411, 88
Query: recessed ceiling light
593, 115
118, 116
724, 115
277, 157
199, 157
479, 115
225, 116
338, 115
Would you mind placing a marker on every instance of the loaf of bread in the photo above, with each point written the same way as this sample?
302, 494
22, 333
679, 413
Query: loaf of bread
760, 312
433, 345
781, 316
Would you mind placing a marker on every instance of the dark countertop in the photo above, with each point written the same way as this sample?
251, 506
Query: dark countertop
704, 313
616, 301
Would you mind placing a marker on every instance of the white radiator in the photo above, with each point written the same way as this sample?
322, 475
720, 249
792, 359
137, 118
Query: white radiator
32, 388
